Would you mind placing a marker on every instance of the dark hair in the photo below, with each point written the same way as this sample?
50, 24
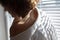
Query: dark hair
20, 7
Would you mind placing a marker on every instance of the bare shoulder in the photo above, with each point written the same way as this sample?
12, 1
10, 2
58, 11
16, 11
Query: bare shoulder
18, 28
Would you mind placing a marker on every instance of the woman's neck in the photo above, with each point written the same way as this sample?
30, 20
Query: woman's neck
22, 20
18, 28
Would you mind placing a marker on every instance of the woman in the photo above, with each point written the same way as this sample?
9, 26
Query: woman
29, 22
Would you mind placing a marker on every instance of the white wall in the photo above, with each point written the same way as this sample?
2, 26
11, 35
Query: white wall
2, 25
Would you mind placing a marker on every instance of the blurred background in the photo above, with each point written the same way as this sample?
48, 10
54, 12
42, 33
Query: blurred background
51, 7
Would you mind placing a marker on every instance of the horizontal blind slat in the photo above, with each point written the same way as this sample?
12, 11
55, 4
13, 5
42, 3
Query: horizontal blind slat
52, 8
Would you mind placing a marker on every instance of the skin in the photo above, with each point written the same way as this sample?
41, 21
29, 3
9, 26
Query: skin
19, 28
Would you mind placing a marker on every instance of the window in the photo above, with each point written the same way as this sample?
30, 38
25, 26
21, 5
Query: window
52, 8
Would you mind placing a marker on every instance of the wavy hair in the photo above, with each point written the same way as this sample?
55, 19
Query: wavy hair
20, 7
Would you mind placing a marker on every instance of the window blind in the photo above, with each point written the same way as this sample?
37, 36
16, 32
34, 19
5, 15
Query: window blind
52, 8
